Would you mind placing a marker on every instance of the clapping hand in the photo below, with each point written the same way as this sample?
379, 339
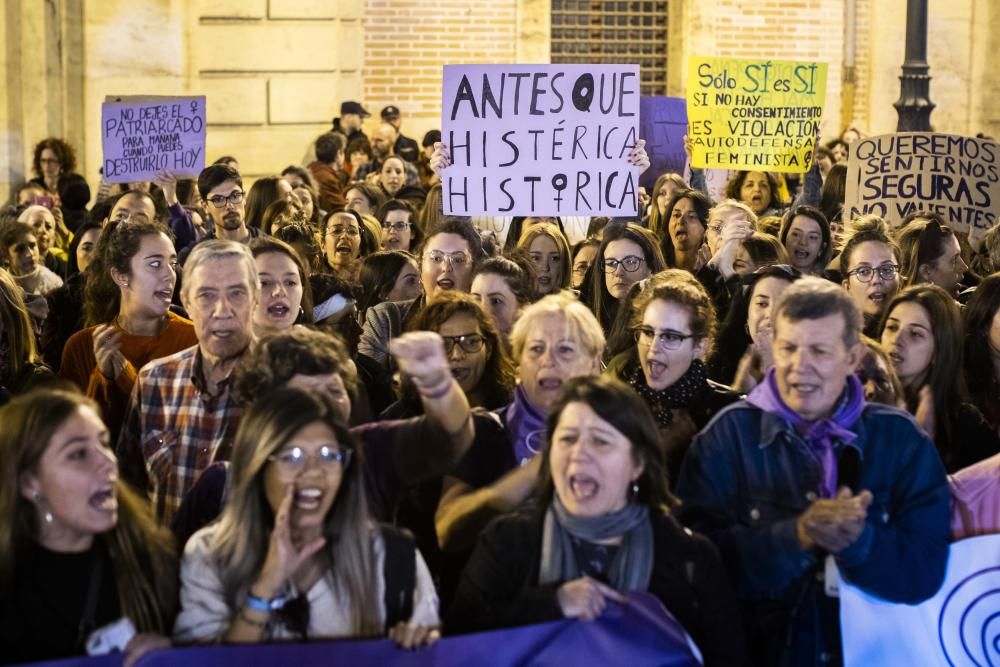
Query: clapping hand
833, 524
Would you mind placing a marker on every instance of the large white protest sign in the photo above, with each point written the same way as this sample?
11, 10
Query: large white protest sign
893, 175
540, 139
143, 135
960, 626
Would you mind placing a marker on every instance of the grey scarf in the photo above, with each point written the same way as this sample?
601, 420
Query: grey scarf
632, 567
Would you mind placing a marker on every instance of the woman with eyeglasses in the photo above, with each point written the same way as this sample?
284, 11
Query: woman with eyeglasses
628, 254
296, 553
399, 227
922, 332
475, 351
478, 359
869, 263
602, 527
446, 263
345, 240
930, 253
673, 322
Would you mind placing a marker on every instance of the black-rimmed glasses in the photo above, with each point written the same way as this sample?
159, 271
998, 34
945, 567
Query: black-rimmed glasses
668, 340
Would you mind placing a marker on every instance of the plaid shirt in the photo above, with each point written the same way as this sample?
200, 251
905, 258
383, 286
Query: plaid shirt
174, 429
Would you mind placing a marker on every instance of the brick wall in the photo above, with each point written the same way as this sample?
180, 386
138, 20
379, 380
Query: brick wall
408, 41
787, 30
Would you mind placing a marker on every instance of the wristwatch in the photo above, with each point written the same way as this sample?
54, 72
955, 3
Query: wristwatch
267, 606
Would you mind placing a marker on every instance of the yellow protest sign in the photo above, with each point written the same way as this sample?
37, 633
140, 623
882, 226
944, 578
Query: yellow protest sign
758, 114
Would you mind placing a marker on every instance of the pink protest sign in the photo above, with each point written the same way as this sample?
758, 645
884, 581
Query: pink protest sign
142, 135
540, 139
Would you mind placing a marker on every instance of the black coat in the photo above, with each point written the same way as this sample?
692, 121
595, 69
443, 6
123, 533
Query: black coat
500, 588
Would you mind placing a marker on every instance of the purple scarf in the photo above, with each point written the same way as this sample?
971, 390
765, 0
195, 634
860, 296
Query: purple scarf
526, 426
820, 434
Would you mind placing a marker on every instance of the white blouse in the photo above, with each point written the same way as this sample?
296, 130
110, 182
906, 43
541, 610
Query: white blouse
205, 617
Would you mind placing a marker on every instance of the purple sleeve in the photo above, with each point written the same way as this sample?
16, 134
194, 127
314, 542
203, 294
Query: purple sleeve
181, 226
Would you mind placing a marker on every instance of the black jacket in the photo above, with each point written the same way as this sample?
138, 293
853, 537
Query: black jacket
500, 588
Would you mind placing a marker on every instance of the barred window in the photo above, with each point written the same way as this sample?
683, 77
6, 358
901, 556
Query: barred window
614, 32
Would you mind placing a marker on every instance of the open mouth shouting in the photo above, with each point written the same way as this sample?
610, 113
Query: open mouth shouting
104, 499
655, 370
308, 499
583, 487
344, 248
279, 310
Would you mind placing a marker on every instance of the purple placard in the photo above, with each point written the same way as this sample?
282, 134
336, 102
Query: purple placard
143, 135
663, 124
540, 139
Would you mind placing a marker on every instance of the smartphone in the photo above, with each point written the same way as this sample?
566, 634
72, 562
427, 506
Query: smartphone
44, 200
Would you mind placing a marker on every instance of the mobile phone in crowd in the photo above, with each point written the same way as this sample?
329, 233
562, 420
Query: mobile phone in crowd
44, 200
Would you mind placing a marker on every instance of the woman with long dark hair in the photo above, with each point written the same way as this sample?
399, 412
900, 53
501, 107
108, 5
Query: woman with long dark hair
982, 348
930, 253
627, 254
78, 548
922, 332
743, 347
387, 275
264, 192
130, 285
475, 349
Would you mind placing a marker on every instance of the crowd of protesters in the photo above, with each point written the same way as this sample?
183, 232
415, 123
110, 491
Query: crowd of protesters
315, 406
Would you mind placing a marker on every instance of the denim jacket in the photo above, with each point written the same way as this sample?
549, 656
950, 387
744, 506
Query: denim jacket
748, 477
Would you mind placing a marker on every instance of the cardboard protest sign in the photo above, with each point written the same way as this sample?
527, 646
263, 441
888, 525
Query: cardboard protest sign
754, 114
663, 124
893, 175
540, 139
143, 135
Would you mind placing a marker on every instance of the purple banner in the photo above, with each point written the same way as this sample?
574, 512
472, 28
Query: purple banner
663, 124
540, 139
143, 135
639, 633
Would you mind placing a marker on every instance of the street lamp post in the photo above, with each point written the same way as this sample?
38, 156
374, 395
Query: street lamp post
914, 105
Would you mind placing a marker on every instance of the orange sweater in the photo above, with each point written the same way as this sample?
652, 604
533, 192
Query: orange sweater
79, 365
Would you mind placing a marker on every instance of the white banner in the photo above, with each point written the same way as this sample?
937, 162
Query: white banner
960, 626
